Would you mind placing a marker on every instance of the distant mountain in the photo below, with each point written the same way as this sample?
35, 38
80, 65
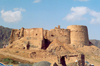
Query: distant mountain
96, 42
4, 35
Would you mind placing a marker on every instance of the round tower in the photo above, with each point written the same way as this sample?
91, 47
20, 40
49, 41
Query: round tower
78, 35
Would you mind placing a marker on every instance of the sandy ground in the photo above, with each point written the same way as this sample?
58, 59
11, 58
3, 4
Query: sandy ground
91, 58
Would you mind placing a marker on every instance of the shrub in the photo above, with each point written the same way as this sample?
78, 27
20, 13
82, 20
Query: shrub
7, 61
17, 51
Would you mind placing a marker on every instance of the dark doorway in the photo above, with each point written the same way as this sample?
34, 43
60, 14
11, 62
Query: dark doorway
62, 61
47, 43
28, 45
83, 59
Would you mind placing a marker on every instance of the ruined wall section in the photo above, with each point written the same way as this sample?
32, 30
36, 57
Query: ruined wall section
21, 32
35, 37
78, 35
32, 38
14, 35
63, 35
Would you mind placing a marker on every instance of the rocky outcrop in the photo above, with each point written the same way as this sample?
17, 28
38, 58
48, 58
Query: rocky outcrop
42, 63
57, 48
4, 36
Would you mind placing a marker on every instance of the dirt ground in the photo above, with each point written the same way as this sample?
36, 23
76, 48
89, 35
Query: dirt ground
24, 55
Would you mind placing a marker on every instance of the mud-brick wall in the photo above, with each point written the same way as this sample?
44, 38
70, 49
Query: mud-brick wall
13, 35
63, 35
79, 35
35, 37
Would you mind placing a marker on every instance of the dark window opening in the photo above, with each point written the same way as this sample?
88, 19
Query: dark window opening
36, 34
52, 35
23, 47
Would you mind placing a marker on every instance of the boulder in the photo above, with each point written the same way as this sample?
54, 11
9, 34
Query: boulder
42, 63
24, 64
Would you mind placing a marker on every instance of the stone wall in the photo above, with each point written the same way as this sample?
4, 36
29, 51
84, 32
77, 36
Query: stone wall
78, 35
35, 37
32, 37
14, 35
67, 59
63, 35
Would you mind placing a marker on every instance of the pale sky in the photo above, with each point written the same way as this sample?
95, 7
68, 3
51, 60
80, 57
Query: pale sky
50, 13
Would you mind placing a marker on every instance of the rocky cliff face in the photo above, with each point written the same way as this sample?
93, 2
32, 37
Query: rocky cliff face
4, 35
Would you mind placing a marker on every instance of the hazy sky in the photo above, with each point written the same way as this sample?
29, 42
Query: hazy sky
50, 13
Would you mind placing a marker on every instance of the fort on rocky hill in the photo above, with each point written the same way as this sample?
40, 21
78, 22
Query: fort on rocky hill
37, 38
55, 42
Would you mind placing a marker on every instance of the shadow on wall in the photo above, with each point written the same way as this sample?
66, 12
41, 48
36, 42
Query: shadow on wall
83, 59
47, 43
28, 45
90, 43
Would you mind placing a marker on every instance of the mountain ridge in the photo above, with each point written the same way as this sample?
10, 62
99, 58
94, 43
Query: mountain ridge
4, 35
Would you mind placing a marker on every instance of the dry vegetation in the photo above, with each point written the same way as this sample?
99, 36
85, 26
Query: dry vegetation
25, 54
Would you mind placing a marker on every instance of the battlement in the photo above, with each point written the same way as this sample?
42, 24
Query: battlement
77, 28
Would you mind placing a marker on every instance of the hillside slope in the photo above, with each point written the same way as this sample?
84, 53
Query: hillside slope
92, 54
96, 42
4, 35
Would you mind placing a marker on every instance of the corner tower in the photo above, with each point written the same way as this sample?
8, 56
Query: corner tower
78, 35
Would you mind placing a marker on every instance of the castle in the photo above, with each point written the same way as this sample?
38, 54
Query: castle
38, 38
